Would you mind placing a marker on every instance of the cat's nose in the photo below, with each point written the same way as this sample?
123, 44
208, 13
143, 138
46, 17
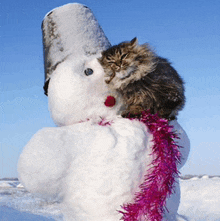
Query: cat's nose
118, 63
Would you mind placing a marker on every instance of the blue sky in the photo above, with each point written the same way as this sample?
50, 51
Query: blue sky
186, 32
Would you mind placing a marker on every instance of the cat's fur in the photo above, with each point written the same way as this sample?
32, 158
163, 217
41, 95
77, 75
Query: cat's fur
145, 80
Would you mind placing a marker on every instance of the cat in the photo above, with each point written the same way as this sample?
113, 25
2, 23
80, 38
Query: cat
144, 80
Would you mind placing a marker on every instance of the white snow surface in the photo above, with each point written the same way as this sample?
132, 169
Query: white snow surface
200, 200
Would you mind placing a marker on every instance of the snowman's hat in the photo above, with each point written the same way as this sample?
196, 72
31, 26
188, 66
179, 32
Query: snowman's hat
70, 31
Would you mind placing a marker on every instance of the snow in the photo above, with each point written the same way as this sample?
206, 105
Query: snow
86, 162
200, 198
18, 204
71, 32
75, 97
200, 201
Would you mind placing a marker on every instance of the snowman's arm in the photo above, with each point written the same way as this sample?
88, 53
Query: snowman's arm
43, 162
183, 142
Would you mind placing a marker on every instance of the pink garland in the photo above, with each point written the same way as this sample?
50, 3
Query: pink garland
159, 182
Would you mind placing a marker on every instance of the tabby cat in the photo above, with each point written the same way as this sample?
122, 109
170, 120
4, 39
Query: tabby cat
145, 80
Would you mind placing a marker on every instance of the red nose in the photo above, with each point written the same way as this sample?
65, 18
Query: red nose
110, 101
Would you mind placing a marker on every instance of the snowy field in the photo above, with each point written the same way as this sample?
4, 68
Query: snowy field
200, 200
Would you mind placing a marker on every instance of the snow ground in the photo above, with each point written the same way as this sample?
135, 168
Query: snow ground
200, 201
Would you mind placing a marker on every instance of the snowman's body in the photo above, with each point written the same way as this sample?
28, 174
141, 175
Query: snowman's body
95, 169
96, 160
107, 170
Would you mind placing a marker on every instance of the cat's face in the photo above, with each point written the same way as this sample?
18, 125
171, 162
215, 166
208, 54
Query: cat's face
122, 62
119, 61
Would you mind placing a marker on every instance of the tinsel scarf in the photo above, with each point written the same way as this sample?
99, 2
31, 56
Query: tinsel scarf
150, 202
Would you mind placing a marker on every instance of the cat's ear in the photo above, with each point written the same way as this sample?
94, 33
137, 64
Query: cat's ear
134, 41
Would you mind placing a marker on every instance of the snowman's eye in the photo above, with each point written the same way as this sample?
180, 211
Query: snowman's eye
88, 71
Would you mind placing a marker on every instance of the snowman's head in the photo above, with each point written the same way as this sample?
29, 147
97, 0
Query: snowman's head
77, 92
73, 40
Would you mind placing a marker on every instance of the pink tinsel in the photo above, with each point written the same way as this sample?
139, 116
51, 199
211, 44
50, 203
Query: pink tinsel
104, 122
149, 204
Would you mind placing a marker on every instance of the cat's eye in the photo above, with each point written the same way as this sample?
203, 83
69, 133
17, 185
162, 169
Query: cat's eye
108, 58
124, 56
88, 71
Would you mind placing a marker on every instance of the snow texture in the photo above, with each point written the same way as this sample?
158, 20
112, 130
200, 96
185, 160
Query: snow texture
92, 169
200, 200
75, 97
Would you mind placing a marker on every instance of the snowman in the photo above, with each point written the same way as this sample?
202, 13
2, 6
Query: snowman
96, 163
